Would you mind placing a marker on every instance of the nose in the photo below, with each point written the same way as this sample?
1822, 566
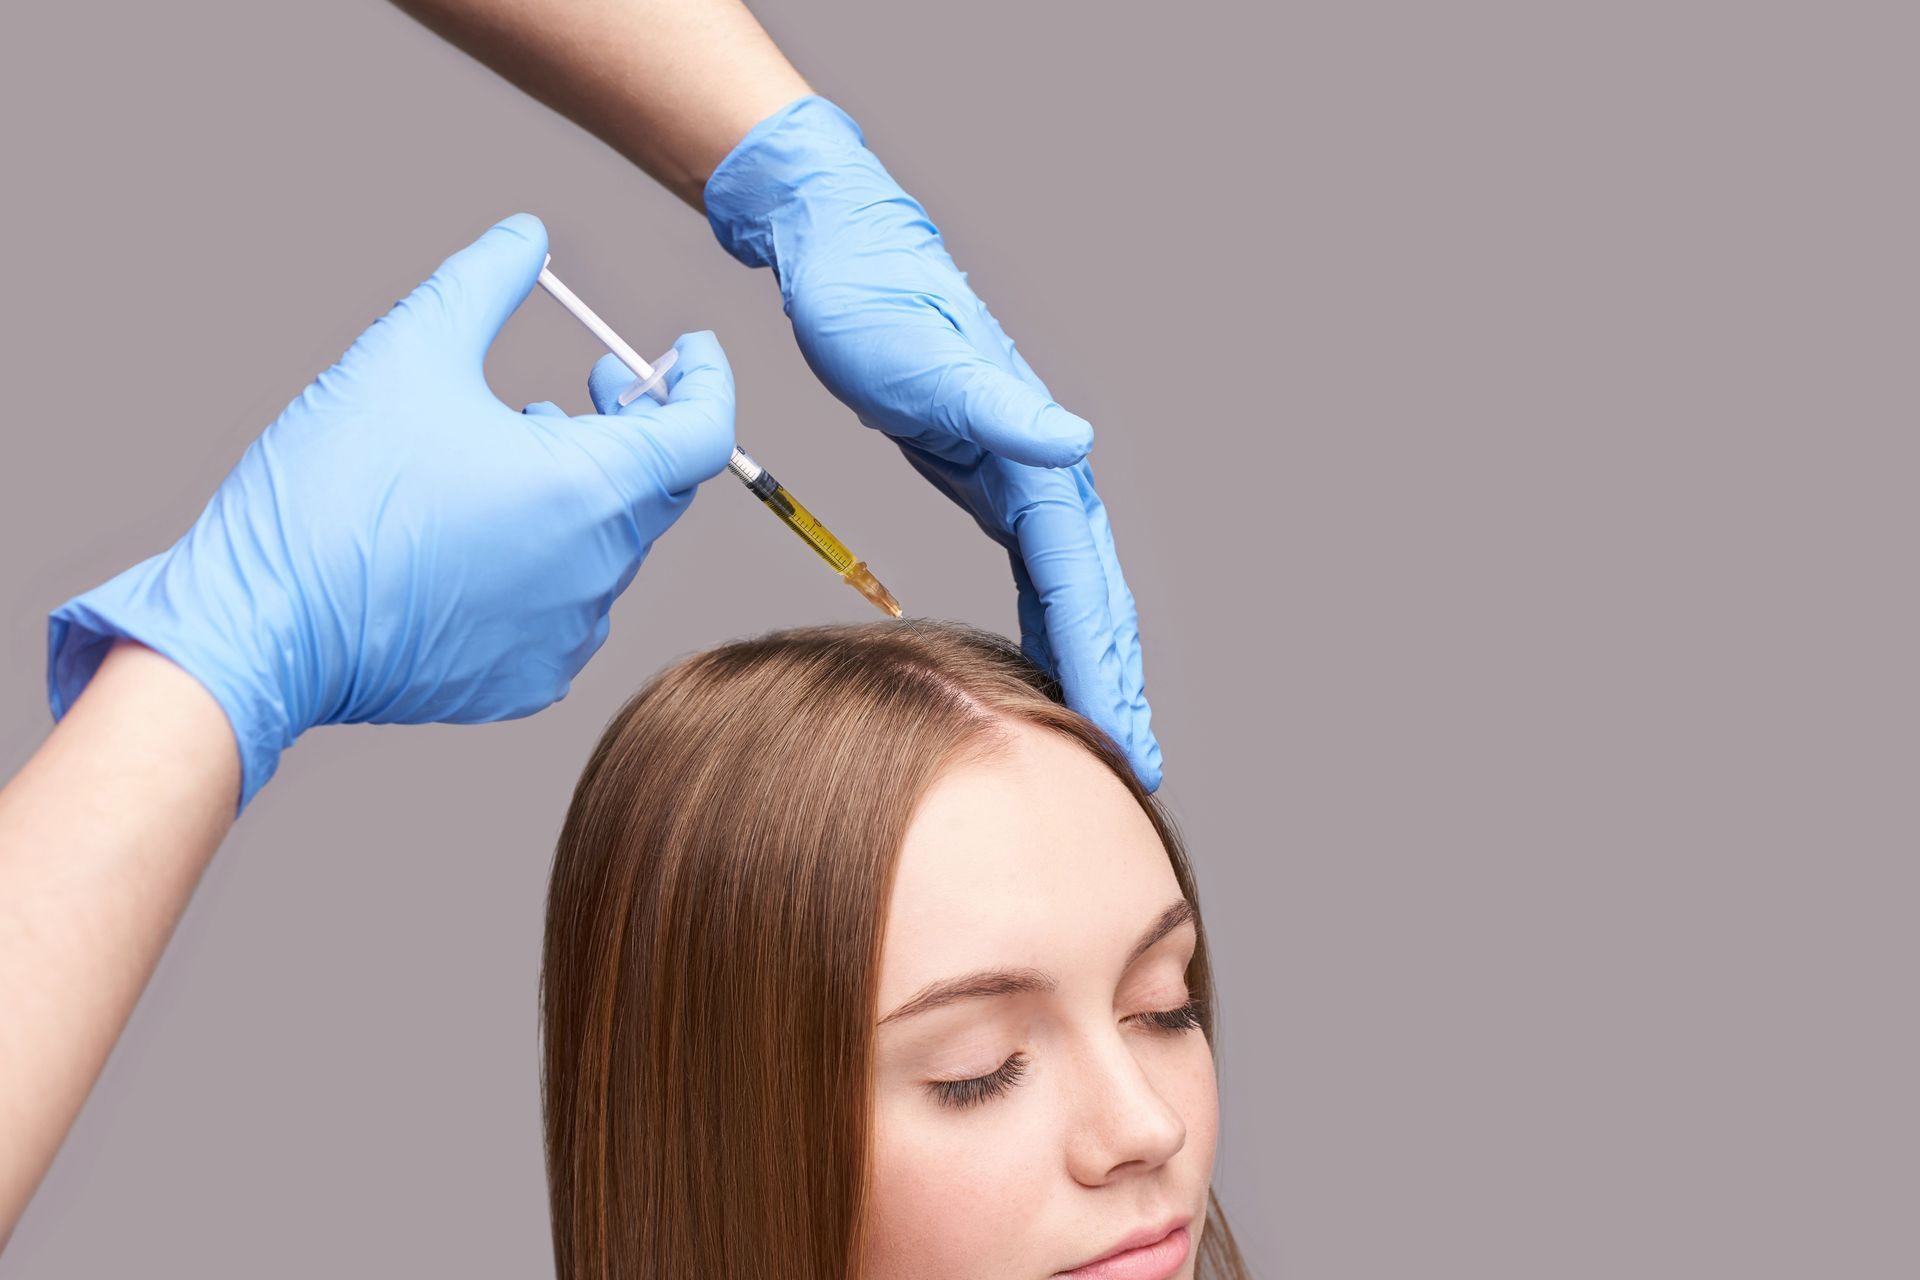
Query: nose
1125, 1125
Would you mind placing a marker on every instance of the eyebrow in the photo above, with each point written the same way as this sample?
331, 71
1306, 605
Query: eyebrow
988, 983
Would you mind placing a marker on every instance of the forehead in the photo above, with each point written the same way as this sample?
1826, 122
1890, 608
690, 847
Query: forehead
1033, 855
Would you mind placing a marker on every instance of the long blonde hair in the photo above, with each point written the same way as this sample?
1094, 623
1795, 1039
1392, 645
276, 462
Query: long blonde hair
713, 942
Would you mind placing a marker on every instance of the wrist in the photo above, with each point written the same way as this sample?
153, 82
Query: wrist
222, 637
171, 736
792, 175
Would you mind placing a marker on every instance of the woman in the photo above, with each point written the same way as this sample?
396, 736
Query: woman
866, 956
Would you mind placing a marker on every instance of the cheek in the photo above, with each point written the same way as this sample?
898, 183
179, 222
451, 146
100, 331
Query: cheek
954, 1196
1186, 1080
1190, 1087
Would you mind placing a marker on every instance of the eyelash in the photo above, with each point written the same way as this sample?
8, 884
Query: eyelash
961, 1094
1186, 1018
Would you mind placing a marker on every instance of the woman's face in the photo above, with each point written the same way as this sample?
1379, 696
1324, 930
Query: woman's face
1041, 1097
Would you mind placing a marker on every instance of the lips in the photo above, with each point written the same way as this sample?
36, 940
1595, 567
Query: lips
1151, 1253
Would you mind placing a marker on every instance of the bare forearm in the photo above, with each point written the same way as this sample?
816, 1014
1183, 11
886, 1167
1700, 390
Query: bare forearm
103, 835
670, 84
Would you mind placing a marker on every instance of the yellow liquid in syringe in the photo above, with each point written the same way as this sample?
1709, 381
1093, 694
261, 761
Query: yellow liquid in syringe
794, 514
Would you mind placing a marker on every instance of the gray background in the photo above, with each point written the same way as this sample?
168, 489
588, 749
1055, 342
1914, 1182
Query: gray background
1507, 415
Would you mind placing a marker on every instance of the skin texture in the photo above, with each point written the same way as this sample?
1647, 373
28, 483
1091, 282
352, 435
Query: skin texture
103, 835
1034, 857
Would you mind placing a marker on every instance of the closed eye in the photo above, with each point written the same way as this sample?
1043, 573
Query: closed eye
961, 1094
1187, 1017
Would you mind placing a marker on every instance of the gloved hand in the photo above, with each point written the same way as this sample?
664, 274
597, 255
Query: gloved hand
888, 323
399, 546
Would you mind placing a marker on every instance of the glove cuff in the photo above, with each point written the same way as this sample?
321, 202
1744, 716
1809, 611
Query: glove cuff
153, 603
807, 145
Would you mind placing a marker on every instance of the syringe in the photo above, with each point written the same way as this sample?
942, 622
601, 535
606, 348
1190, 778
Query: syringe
651, 379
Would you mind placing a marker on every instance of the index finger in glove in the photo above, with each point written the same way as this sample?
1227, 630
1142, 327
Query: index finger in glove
689, 438
934, 377
1141, 746
1063, 562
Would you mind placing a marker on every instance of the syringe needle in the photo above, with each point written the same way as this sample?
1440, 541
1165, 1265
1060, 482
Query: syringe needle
861, 579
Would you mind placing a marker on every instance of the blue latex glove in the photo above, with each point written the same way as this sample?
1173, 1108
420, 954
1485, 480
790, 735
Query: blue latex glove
888, 323
401, 547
